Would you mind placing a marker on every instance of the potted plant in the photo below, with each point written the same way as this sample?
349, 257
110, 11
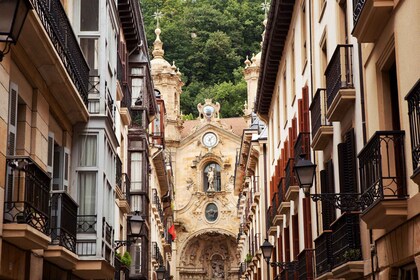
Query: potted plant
126, 261
248, 258
352, 255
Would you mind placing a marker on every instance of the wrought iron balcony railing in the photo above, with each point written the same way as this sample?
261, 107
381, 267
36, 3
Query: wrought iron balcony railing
304, 266
357, 9
107, 232
27, 194
323, 253
118, 172
382, 168
345, 239
156, 254
270, 217
256, 243
63, 220
319, 111
339, 73
290, 179
60, 31
158, 204
126, 186
413, 100
302, 146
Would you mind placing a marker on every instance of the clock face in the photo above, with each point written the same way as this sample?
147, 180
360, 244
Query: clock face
210, 139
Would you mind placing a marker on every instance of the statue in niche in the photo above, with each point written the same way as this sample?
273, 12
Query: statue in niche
210, 179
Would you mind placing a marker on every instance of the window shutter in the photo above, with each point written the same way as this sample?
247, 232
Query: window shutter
300, 116
50, 159
295, 225
347, 163
66, 166
286, 244
305, 109
327, 186
11, 140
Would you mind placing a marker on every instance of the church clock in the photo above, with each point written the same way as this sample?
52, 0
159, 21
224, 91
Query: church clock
210, 139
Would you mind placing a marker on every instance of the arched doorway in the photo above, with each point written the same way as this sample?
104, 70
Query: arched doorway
210, 255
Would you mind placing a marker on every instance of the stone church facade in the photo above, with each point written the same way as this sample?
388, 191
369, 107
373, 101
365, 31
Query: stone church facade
203, 153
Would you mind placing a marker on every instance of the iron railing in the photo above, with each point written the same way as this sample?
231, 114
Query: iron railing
107, 231
302, 146
413, 100
270, 217
323, 253
86, 223
339, 73
63, 220
110, 110
256, 243
27, 194
345, 239
357, 9
290, 179
382, 168
304, 265
158, 204
156, 254
319, 111
118, 172
58, 27
126, 186
280, 191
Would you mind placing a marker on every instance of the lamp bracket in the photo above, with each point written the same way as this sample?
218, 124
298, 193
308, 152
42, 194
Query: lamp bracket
120, 243
293, 265
344, 201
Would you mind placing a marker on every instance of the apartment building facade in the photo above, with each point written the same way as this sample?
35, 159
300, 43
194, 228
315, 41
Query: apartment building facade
333, 89
77, 101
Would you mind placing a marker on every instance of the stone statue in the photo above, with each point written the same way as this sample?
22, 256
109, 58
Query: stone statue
210, 179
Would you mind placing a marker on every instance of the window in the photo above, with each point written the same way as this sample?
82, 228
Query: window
408, 272
303, 33
324, 59
89, 15
87, 193
88, 151
137, 86
212, 177
136, 171
90, 50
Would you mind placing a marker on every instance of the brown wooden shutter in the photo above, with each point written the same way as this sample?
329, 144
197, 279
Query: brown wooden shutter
300, 116
347, 163
327, 186
286, 244
305, 109
295, 228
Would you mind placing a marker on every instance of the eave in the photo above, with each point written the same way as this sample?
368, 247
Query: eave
276, 31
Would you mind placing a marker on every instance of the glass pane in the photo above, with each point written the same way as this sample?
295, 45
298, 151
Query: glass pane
89, 47
88, 150
87, 193
89, 15
136, 171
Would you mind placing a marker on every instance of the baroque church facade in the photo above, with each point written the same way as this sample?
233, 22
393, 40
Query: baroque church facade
203, 153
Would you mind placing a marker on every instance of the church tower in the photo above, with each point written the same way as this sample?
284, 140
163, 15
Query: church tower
167, 82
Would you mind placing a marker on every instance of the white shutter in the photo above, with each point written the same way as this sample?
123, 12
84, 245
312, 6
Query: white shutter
50, 159
11, 144
66, 169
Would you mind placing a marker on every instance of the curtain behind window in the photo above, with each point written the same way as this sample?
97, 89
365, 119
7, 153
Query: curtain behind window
88, 150
87, 193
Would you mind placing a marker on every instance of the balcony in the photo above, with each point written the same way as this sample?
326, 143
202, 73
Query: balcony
323, 253
413, 100
304, 264
284, 206
123, 194
256, 243
346, 247
95, 252
302, 146
256, 189
322, 130
291, 184
26, 202
157, 257
125, 110
63, 231
50, 43
157, 209
370, 18
340, 89
383, 180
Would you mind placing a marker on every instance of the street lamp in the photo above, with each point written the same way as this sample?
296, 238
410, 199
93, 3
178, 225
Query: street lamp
12, 16
135, 226
266, 249
305, 173
161, 272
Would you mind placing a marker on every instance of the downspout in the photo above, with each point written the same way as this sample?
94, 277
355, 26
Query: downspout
362, 104
312, 91
265, 181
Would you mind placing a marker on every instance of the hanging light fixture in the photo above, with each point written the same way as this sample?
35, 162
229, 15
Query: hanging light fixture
305, 173
12, 17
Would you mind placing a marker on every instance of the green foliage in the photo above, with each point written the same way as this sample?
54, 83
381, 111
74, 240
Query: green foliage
209, 41
126, 259
248, 258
